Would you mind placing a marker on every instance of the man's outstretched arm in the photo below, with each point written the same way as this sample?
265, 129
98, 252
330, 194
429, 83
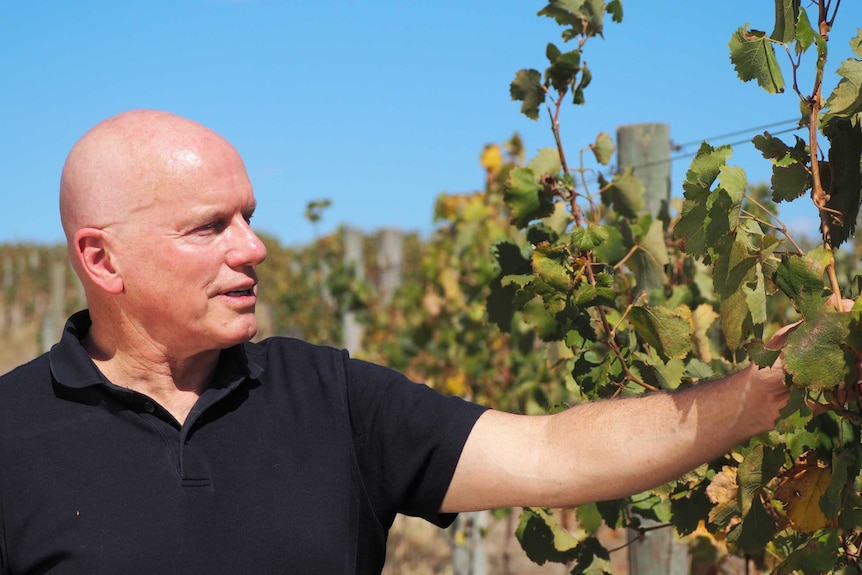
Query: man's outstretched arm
613, 448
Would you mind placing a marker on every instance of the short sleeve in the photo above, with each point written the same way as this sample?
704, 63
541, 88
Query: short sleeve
408, 439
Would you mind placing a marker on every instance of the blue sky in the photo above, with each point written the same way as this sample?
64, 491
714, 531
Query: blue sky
377, 106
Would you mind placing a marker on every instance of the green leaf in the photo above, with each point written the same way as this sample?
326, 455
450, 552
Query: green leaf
527, 87
759, 355
733, 270
603, 148
815, 354
526, 197
732, 273
551, 264
612, 250
615, 9
589, 517
695, 226
543, 321
843, 459
614, 512
845, 176
855, 338
649, 261
800, 277
732, 179
668, 331
846, 99
559, 220
705, 168
543, 538
785, 19
591, 237
586, 77
564, 67
315, 208
816, 555
575, 13
512, 262
546, 162
625, 194
691, 227
587, 295
669, 375
797, 154
511, 259
749, 479
805, 34
722, 220
789, 182
592, 559
733, 313
757, 529
689, 510
753, 58
770, 147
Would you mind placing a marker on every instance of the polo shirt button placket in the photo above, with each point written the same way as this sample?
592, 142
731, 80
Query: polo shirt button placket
149, 406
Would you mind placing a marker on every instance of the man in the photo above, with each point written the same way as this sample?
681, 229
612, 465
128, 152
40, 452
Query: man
154, 438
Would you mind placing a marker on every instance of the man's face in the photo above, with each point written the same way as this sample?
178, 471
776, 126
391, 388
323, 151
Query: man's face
188, 255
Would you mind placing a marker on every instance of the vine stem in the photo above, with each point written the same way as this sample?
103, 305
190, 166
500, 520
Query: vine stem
782, 227
818, 194
579, 221
641, 531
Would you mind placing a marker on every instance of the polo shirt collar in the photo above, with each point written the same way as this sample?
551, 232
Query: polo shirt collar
72, 367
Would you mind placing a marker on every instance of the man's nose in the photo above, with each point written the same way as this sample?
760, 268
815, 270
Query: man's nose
246, 247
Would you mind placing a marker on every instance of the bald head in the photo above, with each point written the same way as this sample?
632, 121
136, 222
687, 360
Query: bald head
125, 163
156, 210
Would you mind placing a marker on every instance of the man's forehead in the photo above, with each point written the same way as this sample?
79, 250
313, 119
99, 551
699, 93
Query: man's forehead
181, 160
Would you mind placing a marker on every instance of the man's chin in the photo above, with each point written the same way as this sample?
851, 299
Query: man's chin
240, 334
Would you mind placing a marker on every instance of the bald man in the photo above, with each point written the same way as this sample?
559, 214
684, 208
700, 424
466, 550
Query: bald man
155, 438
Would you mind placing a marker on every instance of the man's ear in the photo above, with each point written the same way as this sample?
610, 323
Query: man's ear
92, 250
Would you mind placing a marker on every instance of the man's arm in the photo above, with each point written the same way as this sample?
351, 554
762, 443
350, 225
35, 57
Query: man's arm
609, 449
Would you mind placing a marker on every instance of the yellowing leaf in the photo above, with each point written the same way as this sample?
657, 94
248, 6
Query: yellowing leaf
723, 489
491, 159
543, 538
703, 318
722, 493
800, 491
456, 384
450, 282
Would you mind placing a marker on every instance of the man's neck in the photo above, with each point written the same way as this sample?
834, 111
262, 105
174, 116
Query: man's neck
175, 383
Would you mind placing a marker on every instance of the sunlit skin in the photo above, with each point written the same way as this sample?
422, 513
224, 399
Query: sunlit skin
156, 211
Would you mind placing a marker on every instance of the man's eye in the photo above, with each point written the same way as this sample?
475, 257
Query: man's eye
215, 226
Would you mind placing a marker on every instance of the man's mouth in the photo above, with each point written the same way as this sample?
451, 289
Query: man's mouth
241, 292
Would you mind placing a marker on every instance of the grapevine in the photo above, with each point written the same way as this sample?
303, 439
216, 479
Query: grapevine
641, 302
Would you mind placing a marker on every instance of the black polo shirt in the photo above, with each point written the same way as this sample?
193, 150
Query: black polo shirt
295, 460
